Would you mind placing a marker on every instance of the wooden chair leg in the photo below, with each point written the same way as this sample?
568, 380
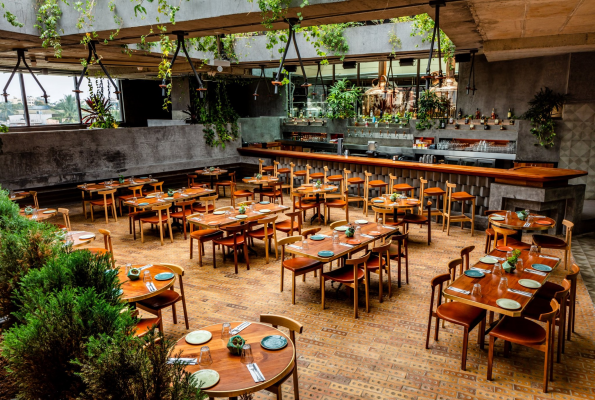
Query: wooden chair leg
185, 313
490, 358
465, 347
171, 236
293, 287
322, 281
173, 313
296, 386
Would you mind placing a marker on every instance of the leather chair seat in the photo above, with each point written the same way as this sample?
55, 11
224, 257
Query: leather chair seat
549, 242
285, 226
336, 203
356, 180
459, 196
203, 209
268, 168
435, 191
415, 219
402, 187
490, 232
460, 313
299, 173
243, 193
283, 170
300, 263
223, 183
228, 241
373, 263
317, 175
202, 233
143, 325
519, 330
108, 201
155, 219
182, 214
344, 274
306, 205
335, 178
259, 233
162, 300
276, 193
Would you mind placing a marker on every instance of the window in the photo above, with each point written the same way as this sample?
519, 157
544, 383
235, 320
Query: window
100, 86
61, 107
12, 112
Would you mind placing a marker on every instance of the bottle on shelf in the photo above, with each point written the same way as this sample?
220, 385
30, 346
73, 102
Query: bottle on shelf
509, 116
493, 113
477, 114
482, 119
460, 113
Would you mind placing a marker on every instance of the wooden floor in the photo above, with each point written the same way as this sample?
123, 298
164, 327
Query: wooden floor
381, 355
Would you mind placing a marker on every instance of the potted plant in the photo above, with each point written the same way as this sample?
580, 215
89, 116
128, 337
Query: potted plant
242, 209
235, 345
540, 114
170, 192
28, 210
121, 179
258, 177
523, 214
341, 100
393, 197
510, 263
350, 231
318, 184
133, 274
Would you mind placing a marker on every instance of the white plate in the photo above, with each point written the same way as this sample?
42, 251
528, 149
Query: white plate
198, 337
207, 377
361, 221
529, 283
264, 210
241, 216
218, 212
508, 304
49, 212
85, 237
342, 228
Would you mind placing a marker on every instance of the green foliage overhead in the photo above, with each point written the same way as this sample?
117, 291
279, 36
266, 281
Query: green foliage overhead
540, 114
341, 99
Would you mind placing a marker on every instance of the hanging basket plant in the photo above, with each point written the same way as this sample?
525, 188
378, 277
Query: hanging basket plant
540, 112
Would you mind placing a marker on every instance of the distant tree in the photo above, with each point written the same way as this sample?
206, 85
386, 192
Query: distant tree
68, 109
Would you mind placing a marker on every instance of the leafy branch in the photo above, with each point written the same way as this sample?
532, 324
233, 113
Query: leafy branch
540, 114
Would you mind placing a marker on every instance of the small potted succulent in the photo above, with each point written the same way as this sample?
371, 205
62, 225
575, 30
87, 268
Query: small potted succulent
350, 232
242, 209
235, 345
170, 192
28, 210
394, 197
510, 263
318, 184
258, 177
211, 169
121, 179
133, 274
522, 215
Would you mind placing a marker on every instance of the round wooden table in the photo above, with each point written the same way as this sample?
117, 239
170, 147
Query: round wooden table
215, 172
519, 225
16, 196
42, 215
134, 291
310, 189
235, 379
394, 205
77, 241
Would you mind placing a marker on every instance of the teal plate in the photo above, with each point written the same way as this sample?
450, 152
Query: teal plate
378, 201
144, 177
274, 342
249, 177
326, 253
265, 202
473, 273
317, 237
118, 292
541, 267
164, 276
143, 204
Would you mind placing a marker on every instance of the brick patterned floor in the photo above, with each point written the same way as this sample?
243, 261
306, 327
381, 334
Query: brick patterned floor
381, 355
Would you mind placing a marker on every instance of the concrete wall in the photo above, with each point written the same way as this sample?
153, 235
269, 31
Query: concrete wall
51, 158
263, 129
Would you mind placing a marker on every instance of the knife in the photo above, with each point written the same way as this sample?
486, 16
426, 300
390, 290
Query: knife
240, 328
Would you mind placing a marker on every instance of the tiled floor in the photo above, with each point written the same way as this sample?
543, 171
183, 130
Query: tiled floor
583, 250
382, 354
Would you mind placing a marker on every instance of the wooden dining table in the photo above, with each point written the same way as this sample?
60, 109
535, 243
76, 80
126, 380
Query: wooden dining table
399, 204
42, 214
16, 196
211, 221
234, 377
212, 174
144, 203
133, 291
309, 188
517, 224
489, 283
74, 237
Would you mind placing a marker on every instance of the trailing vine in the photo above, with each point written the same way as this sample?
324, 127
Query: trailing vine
11, 18
48, 16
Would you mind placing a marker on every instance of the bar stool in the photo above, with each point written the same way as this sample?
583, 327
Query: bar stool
456, 197
336, 180
305, 174
269, 168
375, 184
356, 180
432, 192
400, 187
283, 171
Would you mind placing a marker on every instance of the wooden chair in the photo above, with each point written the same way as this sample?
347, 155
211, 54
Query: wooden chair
65, 214
273, 191
419, 219
552, 242
293, 326
157, 188
336, 180
303, 174
508, 241
549, 290
106, 203
400, 187
167, 298
137, 191
158, 219
206, 208
526, 333
262, 169
144, 326
297, 265
191, 179
399, 249
229, 183
135, 216
291, 225
202, 236
431, 192
240, 193
186, 210
318, 176
356, 180
370, 185
286, 172
489, 230
456, 313
108, 247
266, 233
336, 224
539, 305
305, 205
379, 263
337, 203
235, 240
465, 256
458, 197
33, 194
350, 275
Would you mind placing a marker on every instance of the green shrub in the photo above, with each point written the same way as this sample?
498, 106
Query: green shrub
8, 209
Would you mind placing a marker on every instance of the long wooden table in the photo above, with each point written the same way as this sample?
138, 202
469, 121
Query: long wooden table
147, 202
213, 221
96, 187
489, 284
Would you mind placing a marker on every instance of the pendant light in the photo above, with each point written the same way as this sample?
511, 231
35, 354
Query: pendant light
290, 37
436, 32
93, 53
472, 74
21, 57
180, 38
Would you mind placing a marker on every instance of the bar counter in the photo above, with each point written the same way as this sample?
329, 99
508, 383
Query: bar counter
543, 190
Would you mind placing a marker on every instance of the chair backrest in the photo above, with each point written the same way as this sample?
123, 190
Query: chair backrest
346, 174
392, 180
383, 211
266, 221
191, 178
157, 185
232, 177
260, 163
550, 318
107, 242
401, 238
137, 191
293, 216
310, 231
178, 271
358, 261
367, 180
288, 240
159, 209
502, 232
207, 199
569, 225
307, 173
291, 166
338, 223
64, 212
437, 281
107, 192
184, 204
325, 180
34, 195
572, 277
236, 229
383, 251
275, 171
465, 256
278, 320
452, 267
422, 188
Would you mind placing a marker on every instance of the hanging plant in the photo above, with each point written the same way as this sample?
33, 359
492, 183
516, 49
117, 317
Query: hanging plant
99, 113
341, 99
540, 114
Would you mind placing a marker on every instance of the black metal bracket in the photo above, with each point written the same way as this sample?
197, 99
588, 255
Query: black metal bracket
21, 57
436, 32
390, 73
262, 78
180, 38
93, 53
290, 37
319, 73
472, 74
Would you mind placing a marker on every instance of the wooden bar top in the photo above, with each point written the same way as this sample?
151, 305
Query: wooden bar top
522, 176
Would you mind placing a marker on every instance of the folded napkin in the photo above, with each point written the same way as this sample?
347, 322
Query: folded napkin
535, 272
520, 292
150, 286
188, 361
485, 271
255, 372
240, 328
346, 245
454, 289
367, 236
549, 257
145, 267
295, 246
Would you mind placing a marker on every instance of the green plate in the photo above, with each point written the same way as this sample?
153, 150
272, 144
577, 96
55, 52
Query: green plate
342, 228
529, 283
198, 337
143, 204
274, 342
488, 260
265, 202
317, 237
205, 378
508, 304
497, 218
326, 253
541, 267
378, 201
473, 273
164, 276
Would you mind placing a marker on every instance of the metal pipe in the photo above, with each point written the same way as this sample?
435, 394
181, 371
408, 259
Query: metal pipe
24, 97
78, 102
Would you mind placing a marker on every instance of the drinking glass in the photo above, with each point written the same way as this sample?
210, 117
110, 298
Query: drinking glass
276, 202
150, 177
379, 223
225, 331
358, 232
534, 251
84, 185
205, 359
251, 207
184, 189
305, 245
476, 291
227, 213
519, 265
147, 276
246, 357
128, 266
530, 219
335, 237
503, 285
200, 216
497, 269
12, 194
508, 214
508, 254
134, 199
